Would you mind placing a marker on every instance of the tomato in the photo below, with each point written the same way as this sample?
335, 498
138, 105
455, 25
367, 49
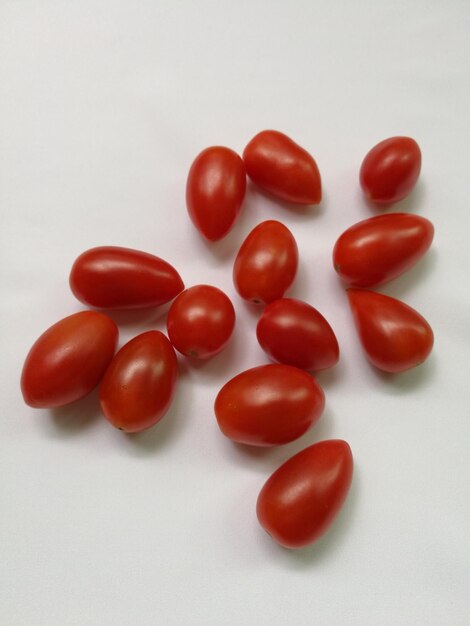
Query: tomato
110, 277
269, 405
215, 191
378, 249
293, 332
276, 163
394, 336
266, 264
300, 501
201, 321
390, 170
68, 360
138, 387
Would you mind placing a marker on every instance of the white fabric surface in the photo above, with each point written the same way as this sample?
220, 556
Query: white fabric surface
103, 106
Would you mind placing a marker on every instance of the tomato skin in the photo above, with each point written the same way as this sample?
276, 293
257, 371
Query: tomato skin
295, 333
394, 336
215, 191
377, 250
111, 277
266, 264
269, 405
68, 360
279, 165
139, 384
200, 321
390, 170
300, 501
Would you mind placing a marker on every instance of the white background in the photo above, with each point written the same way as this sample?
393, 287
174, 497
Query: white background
103, 107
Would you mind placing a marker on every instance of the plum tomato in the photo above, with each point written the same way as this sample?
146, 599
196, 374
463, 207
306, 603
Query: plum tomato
301, 499
68, 360
111, 277
269, 405
378, 249
394, 336
295, 333
266, 264
390, 170
280, 166
139, 384
215, 191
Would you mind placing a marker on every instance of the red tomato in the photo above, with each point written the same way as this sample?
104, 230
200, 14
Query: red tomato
140, 382
266, 263
269, 405
381, 248
120, 278
390, 170
300, 501
293, 332
201, 321
279, 165
68, 360
215, 191
394, 336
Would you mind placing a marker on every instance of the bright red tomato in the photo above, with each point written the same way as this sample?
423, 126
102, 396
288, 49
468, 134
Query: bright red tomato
269, 405
390, 170
201, 321
279, 165
110, 277
293, 332
300, 501
215, 191
138, 387
394, 336
378, 249
68, 360
266, 263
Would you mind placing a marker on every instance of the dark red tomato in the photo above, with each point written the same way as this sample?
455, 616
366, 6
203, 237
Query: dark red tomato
394, 336
266, 263
381, 248
68, 360
215, 191
140, 382
276, 163
269, 405
300, 501
293, 332
109, 277
201, 321
390, 170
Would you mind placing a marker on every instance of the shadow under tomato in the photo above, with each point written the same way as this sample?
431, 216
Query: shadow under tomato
165, 432
78, 416
313, 555
220, 366
411, 204
142, 319
406, 382
300, 211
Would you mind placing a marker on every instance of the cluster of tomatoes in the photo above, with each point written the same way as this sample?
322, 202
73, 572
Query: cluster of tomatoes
270, 404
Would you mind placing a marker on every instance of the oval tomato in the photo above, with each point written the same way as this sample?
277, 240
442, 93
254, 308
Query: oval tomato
293, 332
215, 191
68, 360
394, 336
276, 163
138, 387
111, 277
201, 321
269, 405
390, 170
266, 264
380, 248
300, 501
